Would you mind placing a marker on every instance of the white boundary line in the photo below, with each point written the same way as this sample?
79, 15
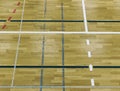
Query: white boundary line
101, 87
53, 32
17, 50
84, 15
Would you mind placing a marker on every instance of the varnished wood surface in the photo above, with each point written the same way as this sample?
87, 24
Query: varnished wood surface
105, 48
51, 89
105, 52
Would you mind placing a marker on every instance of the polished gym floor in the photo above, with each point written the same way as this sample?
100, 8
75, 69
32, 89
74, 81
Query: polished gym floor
59, 61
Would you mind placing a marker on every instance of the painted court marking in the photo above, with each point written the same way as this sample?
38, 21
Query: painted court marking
92, 82
28, 32
84, 15
63, 71
14, 11
91, 67
107, 87
18, 3
10, 17
89, 54
61, 32
17, 51
43, 46
4, 26
88, 42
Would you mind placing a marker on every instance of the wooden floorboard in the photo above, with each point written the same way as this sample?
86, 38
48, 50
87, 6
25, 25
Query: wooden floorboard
59, 59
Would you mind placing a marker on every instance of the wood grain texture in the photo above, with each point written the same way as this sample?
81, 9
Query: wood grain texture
105, 49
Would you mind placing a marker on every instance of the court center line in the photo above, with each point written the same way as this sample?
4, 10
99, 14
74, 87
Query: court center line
63, 71
18, 44
85, 16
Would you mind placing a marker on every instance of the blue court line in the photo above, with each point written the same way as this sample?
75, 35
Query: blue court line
41, 80
43, 49
43, 44
98, 87
63, 71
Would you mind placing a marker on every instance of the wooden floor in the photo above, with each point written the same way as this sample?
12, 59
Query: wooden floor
59, 49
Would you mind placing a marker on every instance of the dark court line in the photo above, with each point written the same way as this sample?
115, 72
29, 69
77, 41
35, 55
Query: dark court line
44, 67
48, 20
4, 21
92, 21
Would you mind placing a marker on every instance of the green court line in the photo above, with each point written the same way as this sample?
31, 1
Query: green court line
100, 67
92, 21
48, 20
2, 20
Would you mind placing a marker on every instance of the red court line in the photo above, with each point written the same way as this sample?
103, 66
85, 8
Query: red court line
14, 11
4, 26
18, 3
9, 18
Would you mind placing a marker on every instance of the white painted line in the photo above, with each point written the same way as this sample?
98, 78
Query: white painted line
91, 67
88, 42
92, 82
84, 15
89, 54
18, 44
53, 32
